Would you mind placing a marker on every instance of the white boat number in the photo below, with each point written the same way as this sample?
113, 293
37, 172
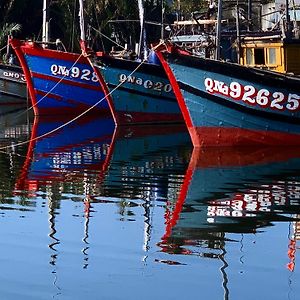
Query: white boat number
251, 95
147, 84
74, 72
14, 75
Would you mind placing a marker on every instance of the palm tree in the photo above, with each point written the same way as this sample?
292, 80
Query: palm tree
6, 31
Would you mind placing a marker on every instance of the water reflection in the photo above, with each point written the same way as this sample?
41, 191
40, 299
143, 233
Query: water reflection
66, 154
93, 162
231, 191
177, 205
14, 128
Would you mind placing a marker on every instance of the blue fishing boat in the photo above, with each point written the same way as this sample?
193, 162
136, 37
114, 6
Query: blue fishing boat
140, 91
59, 82
226, 104
137, 89
245, 103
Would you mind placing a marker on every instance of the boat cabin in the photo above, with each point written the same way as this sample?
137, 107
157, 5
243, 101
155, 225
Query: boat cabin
271, 53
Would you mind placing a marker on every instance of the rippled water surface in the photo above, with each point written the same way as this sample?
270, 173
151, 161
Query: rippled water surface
93, 212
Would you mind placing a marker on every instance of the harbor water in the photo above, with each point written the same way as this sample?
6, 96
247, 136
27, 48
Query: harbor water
89, 211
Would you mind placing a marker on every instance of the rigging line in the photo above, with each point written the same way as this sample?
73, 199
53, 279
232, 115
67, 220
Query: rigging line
98, 31
3, 48
87, 110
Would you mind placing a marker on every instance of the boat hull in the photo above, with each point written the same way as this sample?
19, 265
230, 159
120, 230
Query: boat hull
59, 82
226, 104
13, 83
140, 93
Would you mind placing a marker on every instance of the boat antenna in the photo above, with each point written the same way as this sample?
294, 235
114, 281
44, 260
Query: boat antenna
218, 31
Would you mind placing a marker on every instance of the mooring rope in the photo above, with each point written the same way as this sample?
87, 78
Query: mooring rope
88, 109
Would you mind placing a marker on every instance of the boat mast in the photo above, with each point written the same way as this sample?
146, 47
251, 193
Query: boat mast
82, 25
238, 38
287, 20
162, 20
218, 32
45, 35
249, 14
142, 51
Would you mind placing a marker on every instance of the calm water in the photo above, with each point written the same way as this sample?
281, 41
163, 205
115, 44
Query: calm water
89, 212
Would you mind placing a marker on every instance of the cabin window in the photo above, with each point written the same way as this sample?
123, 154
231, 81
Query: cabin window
249, 56
272, 56
259, 56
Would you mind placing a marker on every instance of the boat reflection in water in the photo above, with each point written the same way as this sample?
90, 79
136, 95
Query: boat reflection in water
118, 159
122, 201
61, 153
231, 190
93, 162
146, 160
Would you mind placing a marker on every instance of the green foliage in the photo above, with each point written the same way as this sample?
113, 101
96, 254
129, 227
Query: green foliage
100, 15
8, 29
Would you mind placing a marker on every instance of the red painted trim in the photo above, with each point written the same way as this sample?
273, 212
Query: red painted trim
53, 96
16, 45
32, 48
220, 136
171, 218
176, 89
107, 160
66, 81
22, 182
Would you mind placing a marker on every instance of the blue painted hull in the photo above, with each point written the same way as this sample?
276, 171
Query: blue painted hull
144, 96
59, 82
227, 104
